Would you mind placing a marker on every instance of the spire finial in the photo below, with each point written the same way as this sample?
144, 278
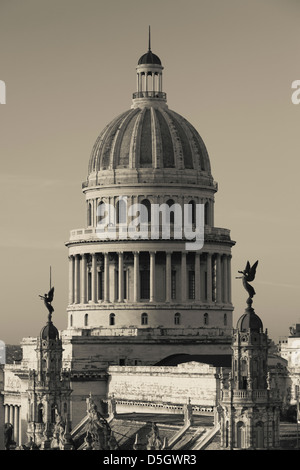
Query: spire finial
149, 39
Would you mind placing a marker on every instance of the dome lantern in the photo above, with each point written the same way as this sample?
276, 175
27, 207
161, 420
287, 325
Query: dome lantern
149, 80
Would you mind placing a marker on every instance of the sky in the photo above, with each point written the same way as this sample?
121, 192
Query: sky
69, 69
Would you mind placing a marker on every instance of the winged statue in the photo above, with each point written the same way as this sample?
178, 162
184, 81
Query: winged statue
48, 298
248, 275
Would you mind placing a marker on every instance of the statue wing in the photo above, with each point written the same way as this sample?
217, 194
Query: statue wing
252, 272
247, 268
51, 294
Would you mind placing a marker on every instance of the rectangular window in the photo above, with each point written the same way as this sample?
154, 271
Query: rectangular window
191, 284
100, 285
173, 284
89, 286
145, 284
125, 284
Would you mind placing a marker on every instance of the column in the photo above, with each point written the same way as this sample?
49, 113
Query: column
152, 277
94, 278
197, 277
168, 276
209, 278
225, 279
12, 415
136, 277
229, 277
219, 279
183, 277
106, 278
83, 298
121, 278
71, 279
16, 424
6, 412
76, 279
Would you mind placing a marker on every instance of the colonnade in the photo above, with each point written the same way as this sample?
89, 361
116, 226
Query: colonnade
12, 415
101, 277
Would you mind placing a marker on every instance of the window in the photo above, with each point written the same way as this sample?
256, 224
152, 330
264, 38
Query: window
71, 320
121, 211
147, 217
206, 212
89, 279
86, 319
112, 319
225, 319
177, 318
100, 212
192, 212
170, 203
89, 214
100, 285
144, 319
205, 318
145, 284
191, 284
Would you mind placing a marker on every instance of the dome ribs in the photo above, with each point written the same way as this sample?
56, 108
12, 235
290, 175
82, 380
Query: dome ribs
118, 141
167, 146
135, 141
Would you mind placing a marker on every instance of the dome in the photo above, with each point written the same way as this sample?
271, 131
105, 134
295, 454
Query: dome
49, 331
149, 137
249, 321
149, 58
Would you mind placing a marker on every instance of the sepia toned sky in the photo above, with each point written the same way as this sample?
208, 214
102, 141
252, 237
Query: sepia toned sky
69, 68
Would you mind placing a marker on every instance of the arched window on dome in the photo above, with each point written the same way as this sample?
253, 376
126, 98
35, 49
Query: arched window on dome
121, 211
144, 319
86, 319
170, 203
206, 213
100, 212
89, 214
112, 319
205, 318
71, 320
177, 318
143, 217
225, 319
192, 211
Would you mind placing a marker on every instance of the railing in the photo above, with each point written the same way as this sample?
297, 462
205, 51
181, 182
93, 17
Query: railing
121, 232
150, 94
250, 394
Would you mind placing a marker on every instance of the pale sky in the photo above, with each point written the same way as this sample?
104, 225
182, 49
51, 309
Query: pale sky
69, 69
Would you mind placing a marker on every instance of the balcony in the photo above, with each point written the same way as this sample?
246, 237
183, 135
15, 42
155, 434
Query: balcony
122, 232
150, 94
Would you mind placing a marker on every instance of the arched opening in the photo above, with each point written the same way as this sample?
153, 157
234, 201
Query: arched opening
241, 435
177, 318
206, 213
146, 217
121, 211
100, 212
192, 212
112, 319
71, 320
144, 319
225, 319
86, 319
205, 318
259, 435
170, 203
89, 221
40, 413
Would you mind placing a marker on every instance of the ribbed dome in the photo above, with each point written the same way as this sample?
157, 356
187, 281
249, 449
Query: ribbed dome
149, 137
149, 58
250, 321
49, 331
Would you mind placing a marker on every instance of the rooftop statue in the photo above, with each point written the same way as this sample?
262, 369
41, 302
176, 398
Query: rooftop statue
248, 275
48, 298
